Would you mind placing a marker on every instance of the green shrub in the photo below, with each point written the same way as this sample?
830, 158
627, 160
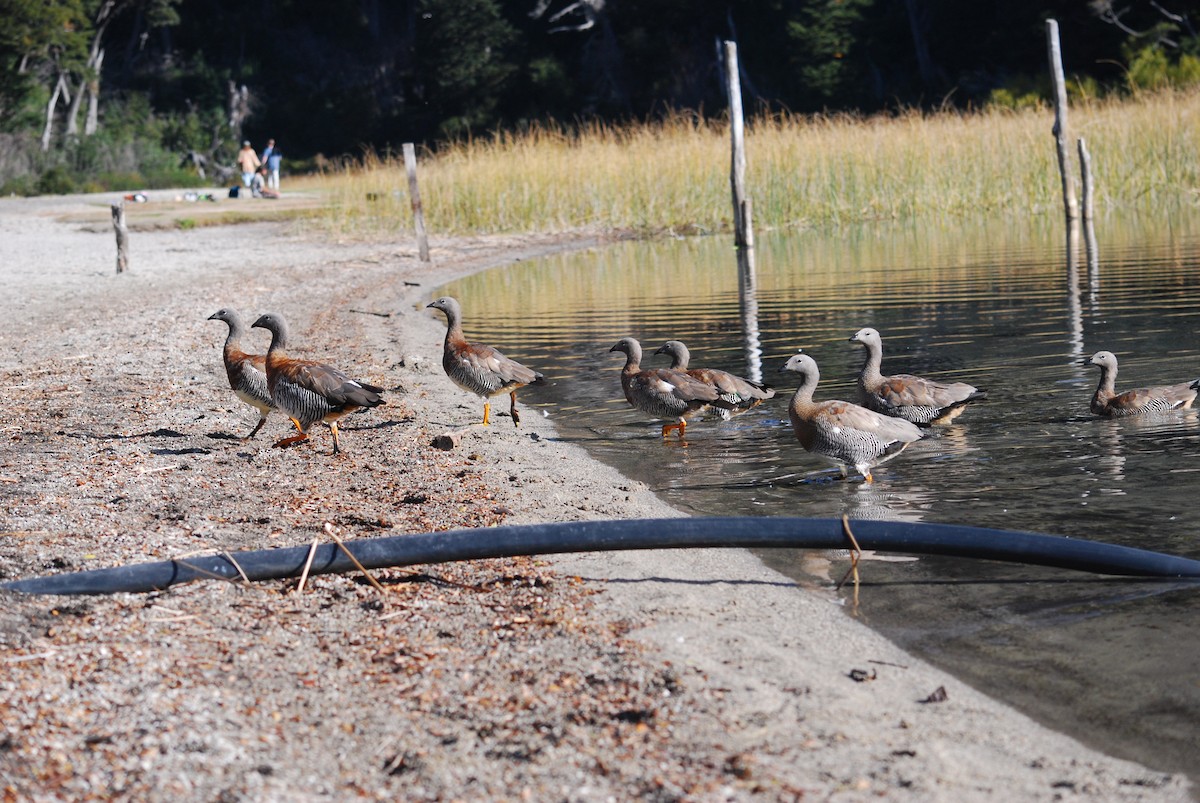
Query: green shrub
55, 181
19, 185
1151, 69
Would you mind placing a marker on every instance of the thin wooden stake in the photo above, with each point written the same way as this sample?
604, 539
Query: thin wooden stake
414, 194
1089, 210
118, 219
1060, 120
743, 235
1085, 169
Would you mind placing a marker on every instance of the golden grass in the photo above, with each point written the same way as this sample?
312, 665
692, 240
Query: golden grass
802, 171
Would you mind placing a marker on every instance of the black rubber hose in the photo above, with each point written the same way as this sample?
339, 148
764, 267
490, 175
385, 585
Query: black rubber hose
596, 536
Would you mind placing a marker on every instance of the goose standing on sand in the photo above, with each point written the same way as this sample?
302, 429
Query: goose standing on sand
661, 392
845, 433
247, 373
740, 394
480, 369
922, 401
1107, 402
308, 391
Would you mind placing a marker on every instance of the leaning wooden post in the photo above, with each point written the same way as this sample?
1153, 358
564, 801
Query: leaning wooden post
118, 219
414, 194
1060, 120
743, 237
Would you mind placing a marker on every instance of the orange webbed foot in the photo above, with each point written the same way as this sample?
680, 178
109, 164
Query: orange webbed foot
679, 427
292, 441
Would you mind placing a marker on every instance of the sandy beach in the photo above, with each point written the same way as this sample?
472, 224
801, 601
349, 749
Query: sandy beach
667, 675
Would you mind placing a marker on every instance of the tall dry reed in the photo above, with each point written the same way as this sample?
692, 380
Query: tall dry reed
803, 171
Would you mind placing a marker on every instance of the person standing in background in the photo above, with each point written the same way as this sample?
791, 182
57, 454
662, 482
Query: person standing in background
271, 157
248, 162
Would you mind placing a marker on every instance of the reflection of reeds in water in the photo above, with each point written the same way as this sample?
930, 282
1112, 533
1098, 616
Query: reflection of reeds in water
803, 171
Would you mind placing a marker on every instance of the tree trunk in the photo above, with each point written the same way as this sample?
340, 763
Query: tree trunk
60, 87
925, 65
239, 107
73, 112
93, 86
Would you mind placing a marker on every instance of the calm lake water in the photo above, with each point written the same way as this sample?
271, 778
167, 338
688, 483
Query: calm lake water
1115, 663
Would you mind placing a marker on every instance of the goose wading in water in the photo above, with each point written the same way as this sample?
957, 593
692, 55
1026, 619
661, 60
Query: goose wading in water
922, 401
661, 392
740, 394
308, 391
845, 433
1107, 402
247, 373
480, 369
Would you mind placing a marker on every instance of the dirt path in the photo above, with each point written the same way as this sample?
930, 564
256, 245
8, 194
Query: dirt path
607, 676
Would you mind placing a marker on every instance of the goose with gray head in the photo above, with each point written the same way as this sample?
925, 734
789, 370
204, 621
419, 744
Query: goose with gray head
1157, 399
922, 401
737, 394
661, 392
308, 391
844, 433
477, 368
247, 373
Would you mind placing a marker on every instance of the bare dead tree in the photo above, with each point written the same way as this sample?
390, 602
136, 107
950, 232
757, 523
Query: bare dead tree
1107, 11
62, 89
239, 107
92, 123
587, 10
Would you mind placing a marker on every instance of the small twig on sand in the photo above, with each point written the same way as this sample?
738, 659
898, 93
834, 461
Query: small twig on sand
312, 551
236, 565
369, 312
333, 534
20, 659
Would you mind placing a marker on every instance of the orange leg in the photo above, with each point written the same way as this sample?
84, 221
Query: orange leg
680, 427
303, 436
487, 411
333, 428
513, 409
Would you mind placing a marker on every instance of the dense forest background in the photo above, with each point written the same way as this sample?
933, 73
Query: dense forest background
100, 93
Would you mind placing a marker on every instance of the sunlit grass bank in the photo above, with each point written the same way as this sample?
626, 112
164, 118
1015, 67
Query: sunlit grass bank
803, 171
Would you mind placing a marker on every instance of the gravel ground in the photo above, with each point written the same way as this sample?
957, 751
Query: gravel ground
661, 675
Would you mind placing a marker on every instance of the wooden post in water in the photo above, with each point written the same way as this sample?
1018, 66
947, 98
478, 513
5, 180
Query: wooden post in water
1089, 207
1060, 120
743, 236
1085, 169
122, 232
748, 302
414, 194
